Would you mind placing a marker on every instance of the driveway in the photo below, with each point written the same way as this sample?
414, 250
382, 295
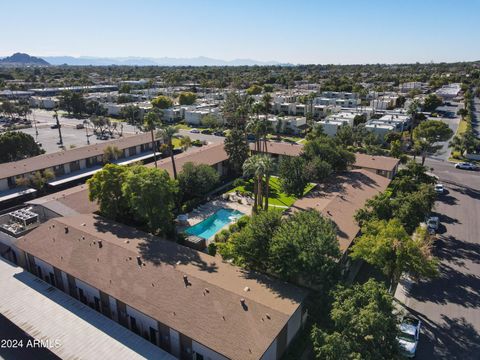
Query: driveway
449, 306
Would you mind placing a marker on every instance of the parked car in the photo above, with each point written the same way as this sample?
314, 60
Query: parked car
206, 131
439, 188
195, 131
409, 336
432, 224
54, 126
80, 126
465, 166
218, 133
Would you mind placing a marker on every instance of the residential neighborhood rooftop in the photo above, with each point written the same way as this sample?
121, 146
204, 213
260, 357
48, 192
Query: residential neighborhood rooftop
213, 295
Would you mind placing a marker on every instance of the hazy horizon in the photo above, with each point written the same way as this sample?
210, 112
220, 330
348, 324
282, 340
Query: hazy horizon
300, 32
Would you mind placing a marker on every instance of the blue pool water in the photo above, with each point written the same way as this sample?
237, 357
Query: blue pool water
211, 225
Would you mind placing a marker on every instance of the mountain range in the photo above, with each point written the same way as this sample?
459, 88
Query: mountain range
145, 61
21, 59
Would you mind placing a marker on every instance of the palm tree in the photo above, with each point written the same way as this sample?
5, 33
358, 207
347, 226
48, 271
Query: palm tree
253, 126
185, 142
253, 167
259, 166
150, 122
267, 105
168, 133
268, 166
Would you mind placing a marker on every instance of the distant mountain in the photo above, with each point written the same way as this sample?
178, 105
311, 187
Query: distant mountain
163, 61
21, 59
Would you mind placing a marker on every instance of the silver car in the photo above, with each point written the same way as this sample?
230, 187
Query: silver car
409, 334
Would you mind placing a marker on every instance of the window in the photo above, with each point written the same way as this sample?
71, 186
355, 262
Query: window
197, 356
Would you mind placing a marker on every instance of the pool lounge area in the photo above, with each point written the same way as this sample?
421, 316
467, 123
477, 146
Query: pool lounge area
214, 223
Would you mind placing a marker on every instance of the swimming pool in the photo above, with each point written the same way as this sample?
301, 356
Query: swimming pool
211, 225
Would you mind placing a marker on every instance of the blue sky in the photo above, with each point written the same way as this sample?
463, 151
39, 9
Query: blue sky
296, 31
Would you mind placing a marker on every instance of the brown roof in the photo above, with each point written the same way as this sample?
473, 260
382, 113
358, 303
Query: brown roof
68, 202
46, 161
361, 160
341, 197
208, 154
208, 310
375, 162
281, 148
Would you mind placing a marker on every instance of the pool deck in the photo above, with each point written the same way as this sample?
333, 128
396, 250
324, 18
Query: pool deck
204, 211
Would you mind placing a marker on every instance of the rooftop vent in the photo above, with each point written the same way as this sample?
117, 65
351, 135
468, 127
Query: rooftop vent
100, 244
246, 289
185, 280
139, 260
66, 229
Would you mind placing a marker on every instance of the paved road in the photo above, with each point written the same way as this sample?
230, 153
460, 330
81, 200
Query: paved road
445, 151
449, 306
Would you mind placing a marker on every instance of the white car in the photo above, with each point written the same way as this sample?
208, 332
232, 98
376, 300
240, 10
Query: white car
195, 131
439, 188
433, 223
465, 166
409, 334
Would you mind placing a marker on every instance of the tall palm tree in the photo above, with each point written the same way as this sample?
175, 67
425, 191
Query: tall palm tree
267, 105
253, 167
168, 133
150, 122
185, 142
268, 166
253, 126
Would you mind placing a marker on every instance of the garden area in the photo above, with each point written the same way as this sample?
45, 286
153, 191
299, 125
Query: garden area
277, 198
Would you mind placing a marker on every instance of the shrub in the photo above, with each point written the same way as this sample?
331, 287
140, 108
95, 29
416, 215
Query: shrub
212, 248
239, 182
222, 236
242, 222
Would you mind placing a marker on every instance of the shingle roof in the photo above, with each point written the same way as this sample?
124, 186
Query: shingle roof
45, 161
341, 197
209, 155
208, 310
376, 162
361, 160
68, 202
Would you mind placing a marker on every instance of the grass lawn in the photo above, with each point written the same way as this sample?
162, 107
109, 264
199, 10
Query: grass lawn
183, 126
284, 138
176, 142
277, 198
462, 127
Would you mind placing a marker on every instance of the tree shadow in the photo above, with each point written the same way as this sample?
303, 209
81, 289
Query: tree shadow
159, 251
451, 286
456, 251
447, 199
454, 338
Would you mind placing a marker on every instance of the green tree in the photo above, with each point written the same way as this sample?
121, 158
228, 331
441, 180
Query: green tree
162, 102
151, 121
17, 145
254, 90
396, 149
292, 175
328, 150
150, 194
187, 98
317, 170
185, 142
236, 109
105, 187
364, 325
344, 135
111, 153
386, 245
305, 249
254, 166
251, 245
236, 147
196, 181
167, 134
431, 102
132, 114
211, 121
38, 180
428, 133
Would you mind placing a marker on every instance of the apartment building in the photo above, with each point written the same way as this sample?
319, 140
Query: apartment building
71, 165
188, 303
